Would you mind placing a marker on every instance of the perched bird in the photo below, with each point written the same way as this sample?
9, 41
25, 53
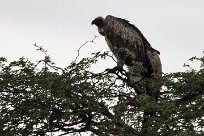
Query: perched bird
128, 44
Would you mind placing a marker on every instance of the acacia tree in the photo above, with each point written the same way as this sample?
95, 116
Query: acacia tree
43, 99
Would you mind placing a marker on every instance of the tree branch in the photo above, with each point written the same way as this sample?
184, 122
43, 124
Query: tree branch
78, 51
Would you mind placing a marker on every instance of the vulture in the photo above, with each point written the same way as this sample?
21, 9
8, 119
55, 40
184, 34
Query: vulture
128, 44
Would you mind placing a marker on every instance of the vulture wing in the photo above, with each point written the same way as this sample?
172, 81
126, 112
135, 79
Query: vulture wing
119, 33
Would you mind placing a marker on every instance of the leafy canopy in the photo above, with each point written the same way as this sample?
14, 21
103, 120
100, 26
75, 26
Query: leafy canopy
43, 99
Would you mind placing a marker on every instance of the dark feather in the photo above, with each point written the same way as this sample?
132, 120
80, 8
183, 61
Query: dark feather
119, 33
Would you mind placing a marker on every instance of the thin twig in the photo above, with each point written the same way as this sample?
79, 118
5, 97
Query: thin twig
112, 57
91, 41
40, 48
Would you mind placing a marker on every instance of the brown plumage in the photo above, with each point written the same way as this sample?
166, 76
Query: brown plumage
128, 44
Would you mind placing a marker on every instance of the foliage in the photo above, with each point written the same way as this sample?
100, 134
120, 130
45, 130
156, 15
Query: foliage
43, 99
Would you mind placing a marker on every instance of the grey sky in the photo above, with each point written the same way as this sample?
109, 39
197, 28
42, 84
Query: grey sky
174, 27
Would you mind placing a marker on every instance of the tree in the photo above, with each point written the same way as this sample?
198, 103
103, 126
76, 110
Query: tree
43, 99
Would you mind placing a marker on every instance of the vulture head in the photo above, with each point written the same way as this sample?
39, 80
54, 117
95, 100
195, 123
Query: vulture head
99, 22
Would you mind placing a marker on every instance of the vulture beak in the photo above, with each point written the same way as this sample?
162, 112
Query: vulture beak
93, 22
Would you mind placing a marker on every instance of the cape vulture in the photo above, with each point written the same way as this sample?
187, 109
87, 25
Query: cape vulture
128, 44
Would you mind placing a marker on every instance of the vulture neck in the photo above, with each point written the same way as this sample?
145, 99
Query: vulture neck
101, 30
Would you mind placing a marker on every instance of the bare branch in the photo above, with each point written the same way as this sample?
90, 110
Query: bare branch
78, 51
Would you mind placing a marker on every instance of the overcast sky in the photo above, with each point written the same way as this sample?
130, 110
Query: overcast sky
174, 27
